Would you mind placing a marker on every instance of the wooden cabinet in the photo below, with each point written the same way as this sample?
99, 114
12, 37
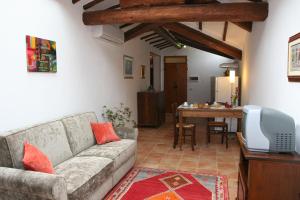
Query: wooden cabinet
151, 109
268, 176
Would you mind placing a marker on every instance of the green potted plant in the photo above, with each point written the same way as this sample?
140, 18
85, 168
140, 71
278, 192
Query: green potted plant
120, 117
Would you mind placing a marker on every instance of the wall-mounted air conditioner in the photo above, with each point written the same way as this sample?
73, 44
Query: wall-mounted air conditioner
108, 33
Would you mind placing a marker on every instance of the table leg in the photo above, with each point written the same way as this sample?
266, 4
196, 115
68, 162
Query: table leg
180, 130
239, 125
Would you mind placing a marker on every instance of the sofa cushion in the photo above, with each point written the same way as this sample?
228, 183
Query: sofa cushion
104, 132
119, 151
84, 175
50, 138
35, 160
79, 131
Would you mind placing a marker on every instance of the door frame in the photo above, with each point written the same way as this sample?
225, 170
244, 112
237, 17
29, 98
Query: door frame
184, 57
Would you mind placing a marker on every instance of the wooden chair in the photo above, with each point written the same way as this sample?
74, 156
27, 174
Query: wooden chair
186, 128
212, 129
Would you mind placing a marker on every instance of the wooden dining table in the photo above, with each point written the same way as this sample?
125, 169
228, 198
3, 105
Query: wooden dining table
204, 111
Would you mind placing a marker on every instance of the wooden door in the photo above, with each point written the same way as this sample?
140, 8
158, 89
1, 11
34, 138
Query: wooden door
175, 84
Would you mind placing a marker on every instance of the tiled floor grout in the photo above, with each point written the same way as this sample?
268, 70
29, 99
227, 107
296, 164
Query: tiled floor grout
155, 150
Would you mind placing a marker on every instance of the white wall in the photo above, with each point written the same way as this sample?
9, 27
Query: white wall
264, 70
89, 75
202, 64
157, 73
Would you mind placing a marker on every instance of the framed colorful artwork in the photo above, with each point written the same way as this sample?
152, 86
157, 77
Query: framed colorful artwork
41, 55
128, 67
294, 59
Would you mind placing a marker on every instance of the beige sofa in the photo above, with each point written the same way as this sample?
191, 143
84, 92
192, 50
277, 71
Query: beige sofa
83, 170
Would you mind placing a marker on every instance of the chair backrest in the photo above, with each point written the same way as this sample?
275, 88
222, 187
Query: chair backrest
174, 111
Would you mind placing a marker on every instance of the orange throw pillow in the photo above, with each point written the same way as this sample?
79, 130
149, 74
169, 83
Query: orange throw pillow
104, 132
35, 160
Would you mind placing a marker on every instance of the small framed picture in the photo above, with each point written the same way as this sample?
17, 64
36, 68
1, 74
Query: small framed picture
143, 69
128, 67
294, 59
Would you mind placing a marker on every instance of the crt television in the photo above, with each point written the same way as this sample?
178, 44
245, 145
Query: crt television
268, 130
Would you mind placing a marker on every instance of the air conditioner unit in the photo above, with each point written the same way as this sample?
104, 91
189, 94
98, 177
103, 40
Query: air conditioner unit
108, 33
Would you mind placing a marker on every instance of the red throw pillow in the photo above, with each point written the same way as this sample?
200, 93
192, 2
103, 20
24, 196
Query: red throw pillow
104, 133
35, 160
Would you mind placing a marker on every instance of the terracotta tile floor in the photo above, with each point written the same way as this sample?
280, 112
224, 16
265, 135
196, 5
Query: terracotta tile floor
155, 151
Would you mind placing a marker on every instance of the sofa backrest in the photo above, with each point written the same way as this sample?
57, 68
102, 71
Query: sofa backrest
50, 138
5, 158
79, 131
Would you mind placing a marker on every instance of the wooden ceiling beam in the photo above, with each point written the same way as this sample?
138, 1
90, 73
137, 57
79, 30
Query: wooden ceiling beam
201, 1
244, 25
199, 46
91, 4
204, 39
234, 12
138, 3
138, 30
167, 36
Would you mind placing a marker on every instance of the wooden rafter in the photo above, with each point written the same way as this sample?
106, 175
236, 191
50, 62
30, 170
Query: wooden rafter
75, 1
244, 25
114, 7
168, 45
149, 35
225, 31
234, 12
167, 36
162, 44
125, 25
164, 47
157, 41
91, 4
138, 30
200, 25
153, 38
203, 39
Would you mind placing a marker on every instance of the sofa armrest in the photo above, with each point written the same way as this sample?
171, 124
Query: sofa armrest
21, 184
127, 133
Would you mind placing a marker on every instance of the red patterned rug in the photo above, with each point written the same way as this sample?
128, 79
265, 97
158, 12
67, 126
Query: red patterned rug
157, 184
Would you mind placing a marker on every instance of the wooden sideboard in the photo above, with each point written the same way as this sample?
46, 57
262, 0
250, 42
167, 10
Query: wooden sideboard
268, 176
151, 109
